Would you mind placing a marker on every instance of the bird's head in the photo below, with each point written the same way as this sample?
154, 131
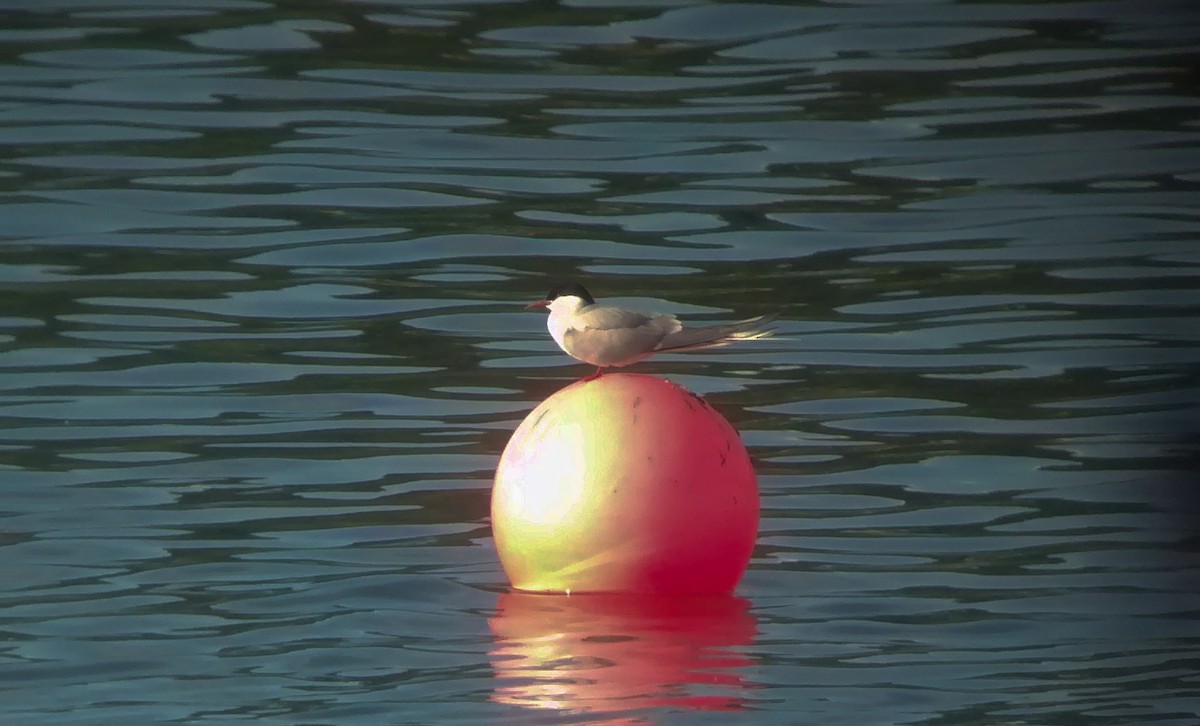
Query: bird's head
567, 297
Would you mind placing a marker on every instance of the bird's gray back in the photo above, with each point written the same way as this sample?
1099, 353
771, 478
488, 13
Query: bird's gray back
609, 336
605, 317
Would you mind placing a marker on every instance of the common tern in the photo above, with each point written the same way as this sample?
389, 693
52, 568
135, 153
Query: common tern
608, 336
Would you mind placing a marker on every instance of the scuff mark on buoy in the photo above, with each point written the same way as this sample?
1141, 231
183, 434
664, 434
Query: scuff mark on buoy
697, 396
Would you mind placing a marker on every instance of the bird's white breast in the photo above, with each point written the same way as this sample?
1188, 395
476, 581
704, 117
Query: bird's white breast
563, 312
558, 325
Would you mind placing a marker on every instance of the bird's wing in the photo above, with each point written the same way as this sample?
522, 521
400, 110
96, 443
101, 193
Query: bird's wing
717, 336
608, 336
606, 317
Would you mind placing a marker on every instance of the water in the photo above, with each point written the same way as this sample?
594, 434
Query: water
262, 344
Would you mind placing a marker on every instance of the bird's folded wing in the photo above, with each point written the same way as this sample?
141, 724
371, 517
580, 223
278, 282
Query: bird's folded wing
717, 336
603, 317
606, 336
615, 347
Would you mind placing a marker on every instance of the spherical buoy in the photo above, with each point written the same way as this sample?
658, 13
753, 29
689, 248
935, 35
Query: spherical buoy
625, 483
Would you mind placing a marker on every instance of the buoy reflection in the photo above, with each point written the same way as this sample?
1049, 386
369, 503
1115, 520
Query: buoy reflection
607, 653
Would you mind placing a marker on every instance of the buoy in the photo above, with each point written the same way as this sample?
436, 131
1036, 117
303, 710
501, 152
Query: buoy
625, 483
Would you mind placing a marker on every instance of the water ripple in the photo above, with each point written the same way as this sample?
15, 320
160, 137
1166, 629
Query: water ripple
262, 341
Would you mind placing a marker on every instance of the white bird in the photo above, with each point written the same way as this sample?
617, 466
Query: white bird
607, 336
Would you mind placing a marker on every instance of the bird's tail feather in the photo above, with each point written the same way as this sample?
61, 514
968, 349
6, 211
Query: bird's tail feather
718, 336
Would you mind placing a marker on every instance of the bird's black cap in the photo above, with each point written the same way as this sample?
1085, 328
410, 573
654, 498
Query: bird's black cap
570, 288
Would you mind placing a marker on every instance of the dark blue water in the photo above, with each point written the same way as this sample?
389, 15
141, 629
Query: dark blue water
262, 267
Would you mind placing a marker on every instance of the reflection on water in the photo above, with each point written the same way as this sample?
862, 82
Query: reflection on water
261, 344
607, 654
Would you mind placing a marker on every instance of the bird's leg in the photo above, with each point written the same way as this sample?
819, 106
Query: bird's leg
599, 372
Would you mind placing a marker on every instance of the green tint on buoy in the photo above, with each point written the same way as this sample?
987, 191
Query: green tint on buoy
625, 483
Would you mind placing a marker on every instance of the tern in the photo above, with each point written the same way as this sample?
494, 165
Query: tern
608, 336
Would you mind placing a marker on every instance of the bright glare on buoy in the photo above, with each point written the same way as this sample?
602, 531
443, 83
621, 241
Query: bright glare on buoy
625, 483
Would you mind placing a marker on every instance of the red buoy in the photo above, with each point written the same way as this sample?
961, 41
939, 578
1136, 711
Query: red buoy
625, 483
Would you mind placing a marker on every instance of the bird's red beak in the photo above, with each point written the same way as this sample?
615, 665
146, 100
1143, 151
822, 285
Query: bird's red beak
538, 304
